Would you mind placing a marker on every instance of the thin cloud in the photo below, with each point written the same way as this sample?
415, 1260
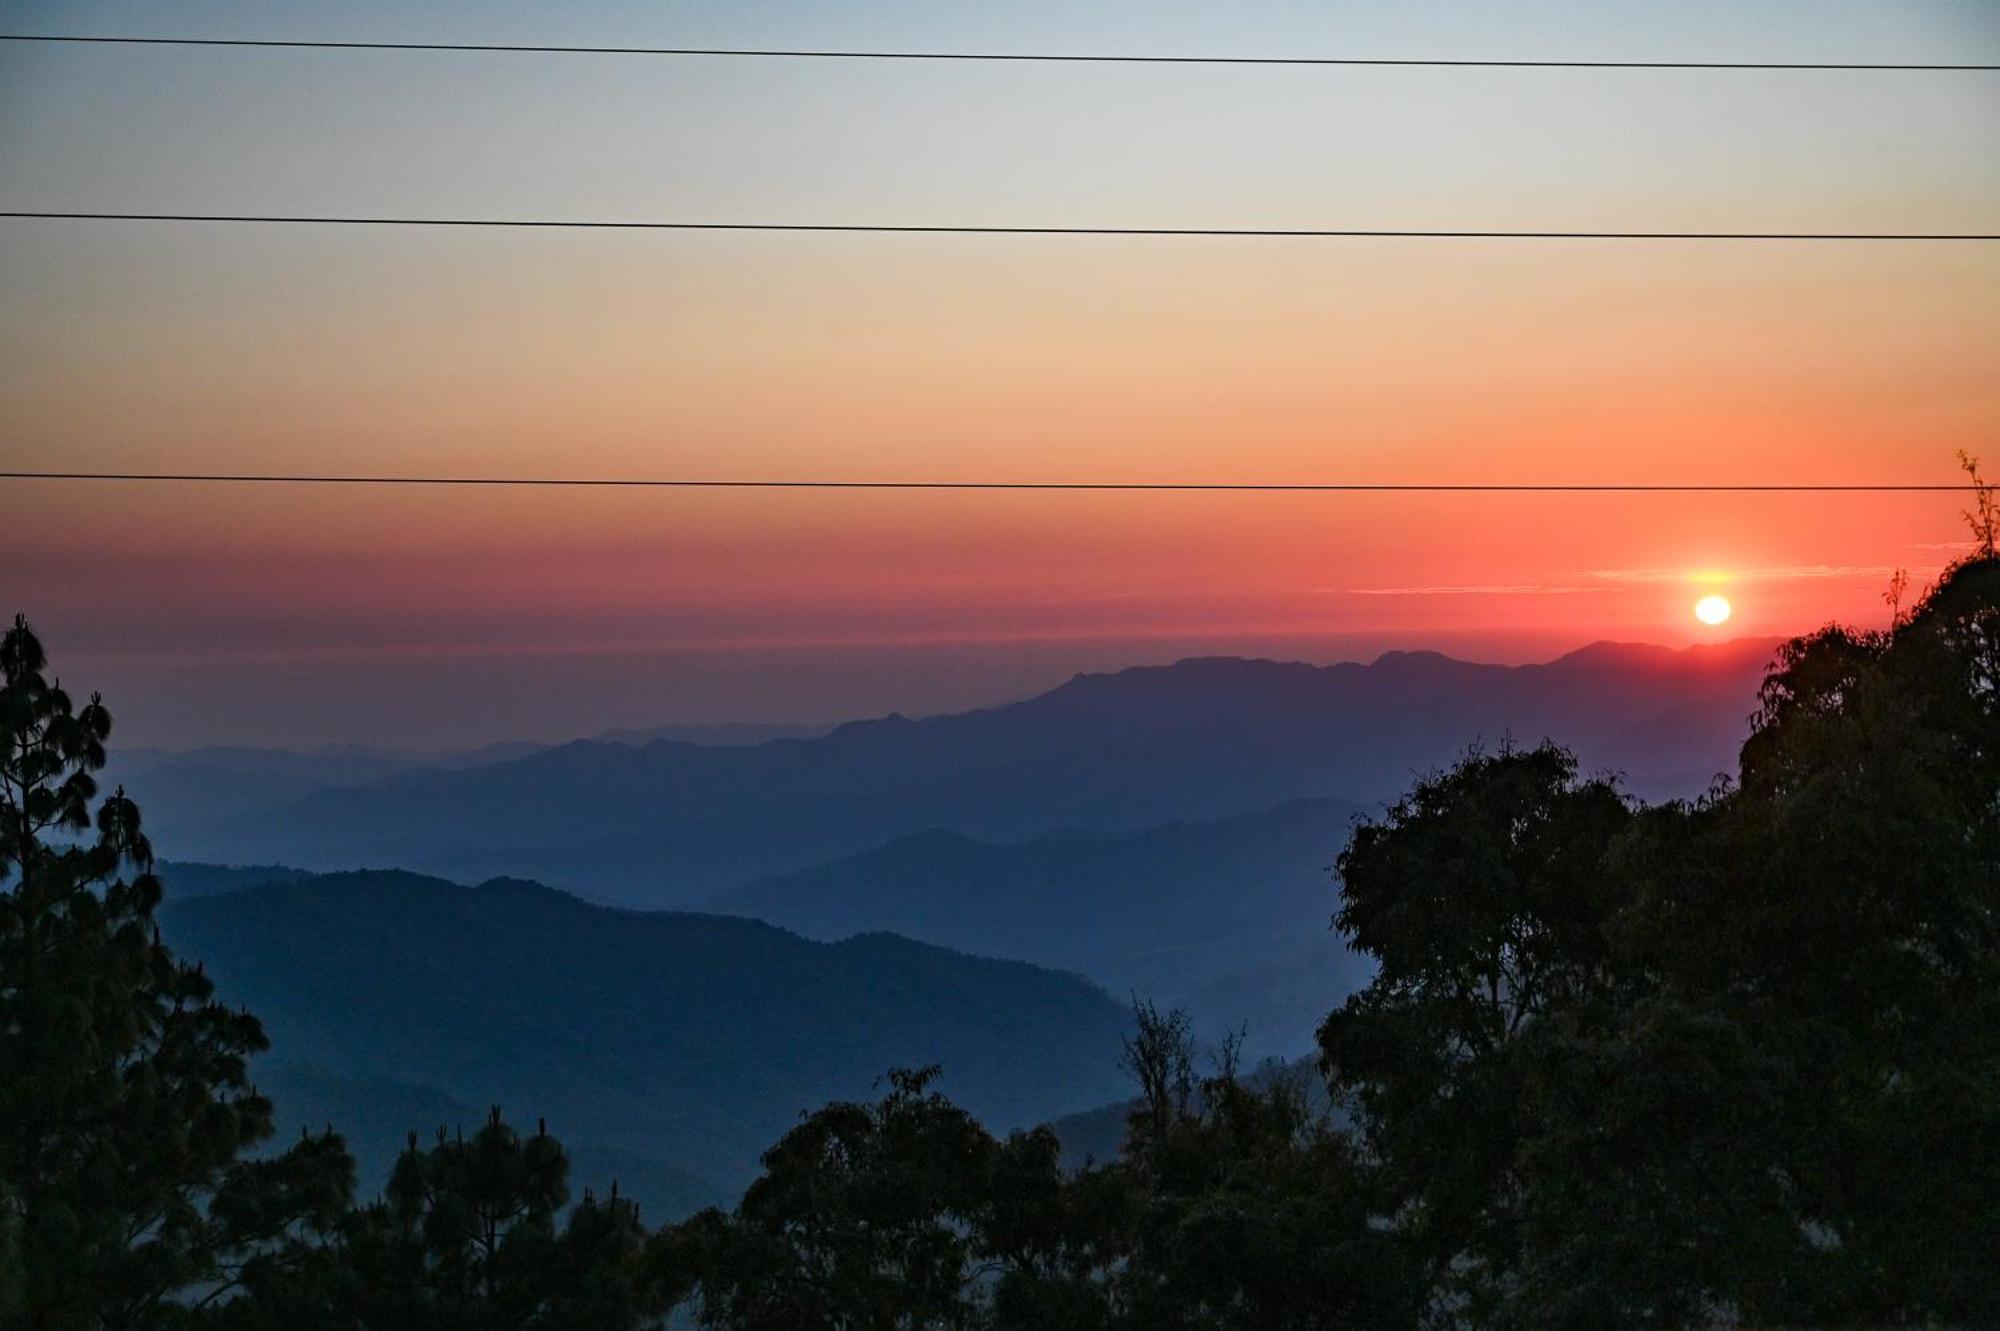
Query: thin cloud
1771, 573
1484, 589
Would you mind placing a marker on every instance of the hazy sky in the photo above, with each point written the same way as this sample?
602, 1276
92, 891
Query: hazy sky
437, 616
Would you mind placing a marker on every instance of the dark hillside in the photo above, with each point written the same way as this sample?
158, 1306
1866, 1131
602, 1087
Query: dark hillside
689, 1039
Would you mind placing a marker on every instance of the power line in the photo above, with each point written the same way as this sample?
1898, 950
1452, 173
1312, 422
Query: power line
1252, 487
1010, 57
876, 228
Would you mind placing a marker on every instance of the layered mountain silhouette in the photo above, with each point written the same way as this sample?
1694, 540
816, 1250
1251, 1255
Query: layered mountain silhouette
671, 822
1229, 920
192, 879
239, 781
1165, 833
179, 785
687, 1042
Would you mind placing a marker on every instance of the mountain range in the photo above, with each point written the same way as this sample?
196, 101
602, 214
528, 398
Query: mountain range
983, 890
669, 822
181, 785
1229, 920
686, 1042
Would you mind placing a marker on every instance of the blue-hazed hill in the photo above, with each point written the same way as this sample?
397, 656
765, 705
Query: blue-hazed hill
694, 1040
669, 823
1229, 919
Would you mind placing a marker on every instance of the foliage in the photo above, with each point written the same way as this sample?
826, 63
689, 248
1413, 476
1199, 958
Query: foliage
470, 1236
864, 1217
125, 1105
1240, 1204
1984, 515
129, 1196
1233, 1206
1656, 1066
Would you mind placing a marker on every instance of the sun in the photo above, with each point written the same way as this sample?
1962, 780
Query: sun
1712, 609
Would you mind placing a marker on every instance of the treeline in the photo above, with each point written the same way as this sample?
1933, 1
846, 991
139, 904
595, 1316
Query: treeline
1736, 1059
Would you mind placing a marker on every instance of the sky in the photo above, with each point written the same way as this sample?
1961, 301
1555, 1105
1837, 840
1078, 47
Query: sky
432, 617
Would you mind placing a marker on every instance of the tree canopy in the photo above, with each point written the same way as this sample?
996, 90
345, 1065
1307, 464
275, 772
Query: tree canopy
1632, 1065
125, 1102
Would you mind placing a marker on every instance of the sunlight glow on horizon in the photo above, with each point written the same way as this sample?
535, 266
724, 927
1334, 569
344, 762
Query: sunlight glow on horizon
126, 348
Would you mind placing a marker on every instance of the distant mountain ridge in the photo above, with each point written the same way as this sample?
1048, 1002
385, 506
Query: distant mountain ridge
189, 879
1230, 919
685, 1039
670, 822
717, 735
177, 786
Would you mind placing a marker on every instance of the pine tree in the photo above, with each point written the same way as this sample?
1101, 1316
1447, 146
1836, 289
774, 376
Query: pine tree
125, 1100
467, 1238
481, 1212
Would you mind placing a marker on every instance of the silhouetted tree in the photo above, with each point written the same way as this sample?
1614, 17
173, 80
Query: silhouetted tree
1984, 515
596, 1276
470, 1235
125, 1107
1232, 1206
1485, 898
1238, 1203
1629, 1066
1160, 1056
864, 1217
481, 1214
1856, 918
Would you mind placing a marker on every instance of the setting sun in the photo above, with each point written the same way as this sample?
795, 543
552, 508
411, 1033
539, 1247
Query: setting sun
1712, 609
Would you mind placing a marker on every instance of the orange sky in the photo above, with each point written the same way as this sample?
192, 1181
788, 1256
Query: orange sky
341, 614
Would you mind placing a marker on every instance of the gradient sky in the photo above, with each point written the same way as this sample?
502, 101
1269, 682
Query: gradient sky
428, 617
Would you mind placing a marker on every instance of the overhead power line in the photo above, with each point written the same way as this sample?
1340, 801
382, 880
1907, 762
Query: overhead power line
1252, 487
878, 228
1008, 57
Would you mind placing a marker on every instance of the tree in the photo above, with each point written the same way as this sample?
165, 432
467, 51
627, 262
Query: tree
1483, 899
1239, 1203
1658, 1066
470, 1235
863, 1217
1984, 515
125, 1105
1857, 916
478, 1217
1232, 1206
